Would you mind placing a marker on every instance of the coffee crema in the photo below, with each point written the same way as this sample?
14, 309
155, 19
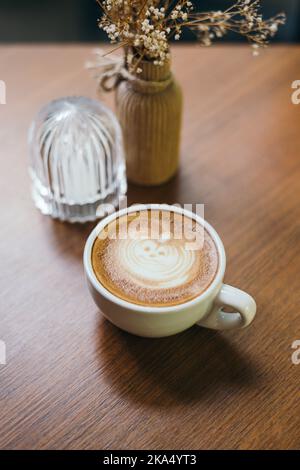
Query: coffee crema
150, 258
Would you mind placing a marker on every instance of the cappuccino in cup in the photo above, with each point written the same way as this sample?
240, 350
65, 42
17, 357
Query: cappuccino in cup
155, 270
152, 258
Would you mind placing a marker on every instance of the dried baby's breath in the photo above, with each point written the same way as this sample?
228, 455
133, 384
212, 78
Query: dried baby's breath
145, 27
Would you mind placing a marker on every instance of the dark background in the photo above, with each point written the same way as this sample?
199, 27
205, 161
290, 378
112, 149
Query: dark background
76, 20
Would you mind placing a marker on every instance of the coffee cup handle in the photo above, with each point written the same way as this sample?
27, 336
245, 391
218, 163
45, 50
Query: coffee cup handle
236, 299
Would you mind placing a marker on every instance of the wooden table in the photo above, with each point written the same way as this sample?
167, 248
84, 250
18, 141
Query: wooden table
73, 380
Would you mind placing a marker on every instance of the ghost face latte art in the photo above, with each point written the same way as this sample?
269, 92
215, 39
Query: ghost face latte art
155, 258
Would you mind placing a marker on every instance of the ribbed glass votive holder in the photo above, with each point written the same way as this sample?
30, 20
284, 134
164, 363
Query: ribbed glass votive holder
77, 164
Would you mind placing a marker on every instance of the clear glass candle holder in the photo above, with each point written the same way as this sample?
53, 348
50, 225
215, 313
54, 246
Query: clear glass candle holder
77, 164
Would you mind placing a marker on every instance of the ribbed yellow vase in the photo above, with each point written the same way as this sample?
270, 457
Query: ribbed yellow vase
149, 108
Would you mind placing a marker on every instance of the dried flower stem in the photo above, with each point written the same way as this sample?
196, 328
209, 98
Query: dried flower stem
144, 27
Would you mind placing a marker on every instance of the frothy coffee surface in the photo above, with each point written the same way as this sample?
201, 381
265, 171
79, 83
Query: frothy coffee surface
155, 258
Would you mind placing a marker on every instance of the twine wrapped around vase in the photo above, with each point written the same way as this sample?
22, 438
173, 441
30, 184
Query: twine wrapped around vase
149, 108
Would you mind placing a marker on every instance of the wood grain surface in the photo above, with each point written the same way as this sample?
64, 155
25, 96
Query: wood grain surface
74, 381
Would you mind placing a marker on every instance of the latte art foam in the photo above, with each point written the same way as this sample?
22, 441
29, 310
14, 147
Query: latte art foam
162, 263
157, 271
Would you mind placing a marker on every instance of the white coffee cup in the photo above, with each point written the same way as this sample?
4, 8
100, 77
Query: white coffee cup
205, 310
